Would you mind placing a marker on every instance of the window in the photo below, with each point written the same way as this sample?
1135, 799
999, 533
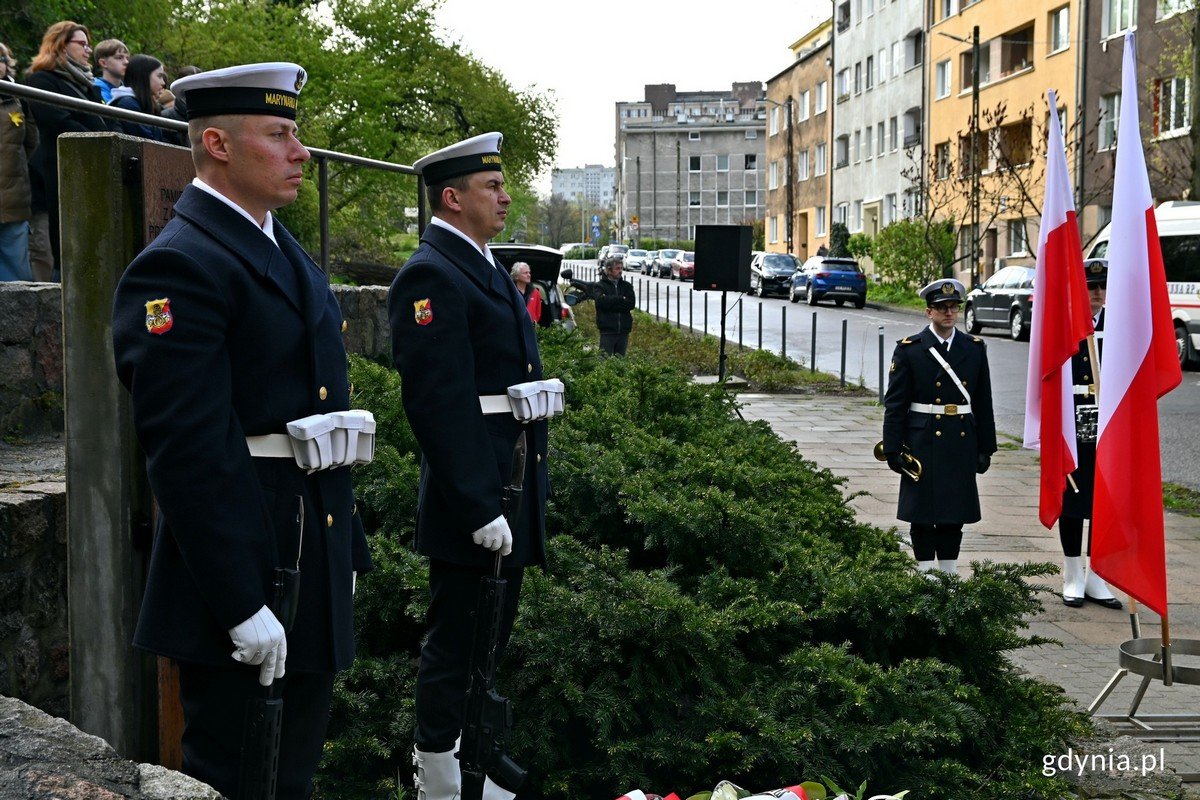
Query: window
858, 78
881, 148
894, 134
751, 133
1060, 29
882, 63
822, 97
1018, 242
693, 163
855, 223
968, 67
843, 83
693, 199
941, 157
947, 8
1167, 8
857, 146
774, 126
870, 72
820, 220
723, 163
802, 165
722, 199
819, 158
841, 213
841, 151
751, 198
804, 105
868, 143
1171, 106
751, 161
1117, 17
889, 209
943, 79
870, 8
897, 58
773, 229
693, 136
1110, 112
773, 175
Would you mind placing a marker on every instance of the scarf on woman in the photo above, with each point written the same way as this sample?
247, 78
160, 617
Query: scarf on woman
77, 75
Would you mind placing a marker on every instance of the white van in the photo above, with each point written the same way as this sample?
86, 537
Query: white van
1179, 233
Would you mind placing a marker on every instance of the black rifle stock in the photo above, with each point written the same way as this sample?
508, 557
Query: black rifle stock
488, 716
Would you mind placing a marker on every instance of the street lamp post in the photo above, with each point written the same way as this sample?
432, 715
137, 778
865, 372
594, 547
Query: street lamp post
787, 170
973, 161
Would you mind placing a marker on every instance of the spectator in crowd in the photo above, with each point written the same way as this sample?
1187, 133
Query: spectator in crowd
18, 139
112, 58
523, 278
614, 309
144, 80
178, 110
62, 66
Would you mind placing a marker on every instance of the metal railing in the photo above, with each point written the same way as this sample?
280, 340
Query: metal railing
322, 157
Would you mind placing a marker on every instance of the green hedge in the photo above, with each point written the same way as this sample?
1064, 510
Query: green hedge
712, 611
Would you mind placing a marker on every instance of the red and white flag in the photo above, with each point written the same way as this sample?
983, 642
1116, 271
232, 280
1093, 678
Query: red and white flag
1139, 365
1062, 317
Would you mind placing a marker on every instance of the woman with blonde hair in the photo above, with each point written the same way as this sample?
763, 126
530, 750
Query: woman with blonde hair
63, 65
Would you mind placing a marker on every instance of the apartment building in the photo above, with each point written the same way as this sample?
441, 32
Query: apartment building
1024, 50
878, 114
690, 158
798, 136
595, 183
1165, 84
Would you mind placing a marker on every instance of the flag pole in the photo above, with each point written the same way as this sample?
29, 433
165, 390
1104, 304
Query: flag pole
1166, 651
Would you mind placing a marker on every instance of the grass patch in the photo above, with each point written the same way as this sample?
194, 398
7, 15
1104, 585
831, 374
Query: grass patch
1181, 499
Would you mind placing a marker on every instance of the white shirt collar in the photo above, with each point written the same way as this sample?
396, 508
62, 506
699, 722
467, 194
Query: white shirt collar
940, 339
268, 227
485, 251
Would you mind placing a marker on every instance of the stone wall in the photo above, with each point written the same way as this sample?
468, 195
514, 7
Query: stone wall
31, 365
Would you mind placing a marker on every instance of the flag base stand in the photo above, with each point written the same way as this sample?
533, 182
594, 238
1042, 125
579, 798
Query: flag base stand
1144, 657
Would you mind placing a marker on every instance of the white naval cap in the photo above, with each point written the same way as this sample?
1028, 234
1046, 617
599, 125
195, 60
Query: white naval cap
271, 88
477, 154
943, 290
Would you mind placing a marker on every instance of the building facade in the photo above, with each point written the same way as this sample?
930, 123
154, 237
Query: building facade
596, 184
689, 158
798, 136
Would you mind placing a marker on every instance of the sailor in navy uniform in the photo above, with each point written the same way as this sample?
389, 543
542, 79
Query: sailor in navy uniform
461, 336
938, 408
1079, 582
224, 331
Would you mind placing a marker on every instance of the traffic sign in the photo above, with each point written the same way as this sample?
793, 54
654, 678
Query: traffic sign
635, 220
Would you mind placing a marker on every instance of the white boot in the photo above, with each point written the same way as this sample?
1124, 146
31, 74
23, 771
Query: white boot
437, 775
493, 792
926, 566
1073, 581
948, 565
1097, 591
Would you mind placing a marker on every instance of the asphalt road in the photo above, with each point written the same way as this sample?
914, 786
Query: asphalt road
849, 343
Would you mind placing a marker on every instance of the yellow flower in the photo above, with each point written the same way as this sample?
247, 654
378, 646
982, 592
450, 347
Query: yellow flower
17, 118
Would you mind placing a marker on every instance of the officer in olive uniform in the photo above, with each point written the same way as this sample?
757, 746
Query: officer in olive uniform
224, 331
938, 408
1079, 582
460, 337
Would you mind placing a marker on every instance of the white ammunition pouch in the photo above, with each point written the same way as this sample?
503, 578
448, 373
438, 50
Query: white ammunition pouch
321, 441
527, 402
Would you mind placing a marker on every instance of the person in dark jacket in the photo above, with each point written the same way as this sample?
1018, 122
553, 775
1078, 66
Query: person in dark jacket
461, 337
615, 302
938, 408
228, 337
144, 80
62, 66
1079, 581
18, 140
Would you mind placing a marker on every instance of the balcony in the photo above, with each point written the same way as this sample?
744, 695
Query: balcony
912, 140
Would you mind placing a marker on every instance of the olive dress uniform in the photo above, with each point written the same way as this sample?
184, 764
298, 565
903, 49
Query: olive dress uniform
460, 330
947, 445
220, 334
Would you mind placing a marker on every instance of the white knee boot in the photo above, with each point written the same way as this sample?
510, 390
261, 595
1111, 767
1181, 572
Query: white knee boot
1097, 591
948, 565
437, 775
1073, 581
926, 566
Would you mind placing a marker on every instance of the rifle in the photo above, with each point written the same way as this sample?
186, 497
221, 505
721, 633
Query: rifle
488, 716
264, 715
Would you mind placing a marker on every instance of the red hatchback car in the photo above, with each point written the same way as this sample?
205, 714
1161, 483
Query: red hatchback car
683, 265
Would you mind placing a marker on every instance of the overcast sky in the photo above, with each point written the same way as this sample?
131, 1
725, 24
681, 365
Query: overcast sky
593, 55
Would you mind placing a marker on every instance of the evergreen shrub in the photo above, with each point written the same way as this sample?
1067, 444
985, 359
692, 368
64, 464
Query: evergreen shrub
712, 610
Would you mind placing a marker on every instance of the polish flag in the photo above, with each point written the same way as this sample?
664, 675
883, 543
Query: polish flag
1062, 317
1139, 366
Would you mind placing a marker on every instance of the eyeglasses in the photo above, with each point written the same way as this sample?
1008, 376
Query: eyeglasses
5, 60
81, 42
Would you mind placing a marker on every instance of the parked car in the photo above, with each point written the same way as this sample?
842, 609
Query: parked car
683, 265
650, 264
614, 253
1005, 300
827, 277
545, 268
663, 262
635, 259
772, 272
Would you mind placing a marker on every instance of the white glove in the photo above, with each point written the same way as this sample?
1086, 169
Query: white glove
495, 536
353, 582
261, 640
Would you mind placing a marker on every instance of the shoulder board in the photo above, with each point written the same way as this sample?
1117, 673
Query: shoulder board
905, 340
976, 339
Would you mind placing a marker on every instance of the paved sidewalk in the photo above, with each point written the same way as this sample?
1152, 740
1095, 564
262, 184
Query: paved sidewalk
839, 433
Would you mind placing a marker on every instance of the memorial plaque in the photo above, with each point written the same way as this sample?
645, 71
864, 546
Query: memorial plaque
166, 172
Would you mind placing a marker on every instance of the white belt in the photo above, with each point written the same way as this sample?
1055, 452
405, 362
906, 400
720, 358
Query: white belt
1083, 390
495, 404
272, 445
950, 410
